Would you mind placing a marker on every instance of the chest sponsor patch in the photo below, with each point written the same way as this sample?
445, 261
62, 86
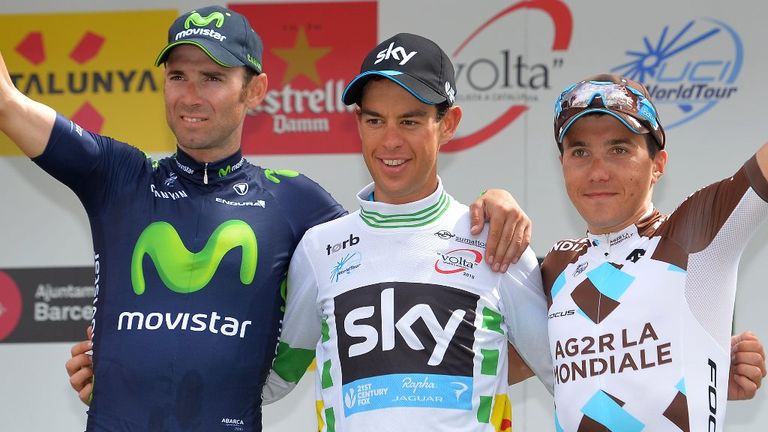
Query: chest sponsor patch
407, 345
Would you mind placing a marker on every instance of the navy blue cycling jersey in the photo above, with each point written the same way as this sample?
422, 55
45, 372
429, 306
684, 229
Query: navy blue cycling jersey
189, 260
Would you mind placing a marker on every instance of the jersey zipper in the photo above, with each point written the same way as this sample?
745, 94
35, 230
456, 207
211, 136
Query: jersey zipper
205, 173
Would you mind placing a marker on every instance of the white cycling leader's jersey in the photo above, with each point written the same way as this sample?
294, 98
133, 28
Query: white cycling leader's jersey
640, 320
409, 324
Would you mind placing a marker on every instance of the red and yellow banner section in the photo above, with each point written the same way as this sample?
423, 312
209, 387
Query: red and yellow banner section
311, 51
95, 68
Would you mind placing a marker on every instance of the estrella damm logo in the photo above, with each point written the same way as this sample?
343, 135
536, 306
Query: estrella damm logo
311, 58
95, 68
199, 21
183, 271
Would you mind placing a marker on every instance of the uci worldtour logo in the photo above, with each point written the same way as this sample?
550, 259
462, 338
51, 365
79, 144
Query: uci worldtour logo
687, 69
492, 73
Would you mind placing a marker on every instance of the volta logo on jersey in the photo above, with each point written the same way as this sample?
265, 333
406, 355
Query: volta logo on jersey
457, 261
183, 271
309, 57
94, 68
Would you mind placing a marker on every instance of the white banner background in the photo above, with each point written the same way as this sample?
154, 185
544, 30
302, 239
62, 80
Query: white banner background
42, 223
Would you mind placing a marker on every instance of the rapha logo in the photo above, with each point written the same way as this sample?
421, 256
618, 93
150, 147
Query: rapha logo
241, 188
397, 53
460, 389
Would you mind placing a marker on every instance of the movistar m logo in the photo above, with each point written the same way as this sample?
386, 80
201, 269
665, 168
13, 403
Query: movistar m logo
186, 272
199, 21
271, 174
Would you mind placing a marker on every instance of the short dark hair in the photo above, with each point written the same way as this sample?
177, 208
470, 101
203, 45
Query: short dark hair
248, 75
650, 141
442, 109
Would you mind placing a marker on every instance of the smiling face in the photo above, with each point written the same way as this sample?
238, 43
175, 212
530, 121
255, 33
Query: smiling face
401, 138
608, 172
205, 103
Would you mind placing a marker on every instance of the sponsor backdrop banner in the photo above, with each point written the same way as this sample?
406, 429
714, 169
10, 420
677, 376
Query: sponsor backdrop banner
311, 52
95, 68
704, 66
45, 304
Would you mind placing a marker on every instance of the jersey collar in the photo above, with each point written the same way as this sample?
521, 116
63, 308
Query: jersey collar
643, 227
209, 172
411, 215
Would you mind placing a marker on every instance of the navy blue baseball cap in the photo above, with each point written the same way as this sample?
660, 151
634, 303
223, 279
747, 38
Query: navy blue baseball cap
224, 35
415, 63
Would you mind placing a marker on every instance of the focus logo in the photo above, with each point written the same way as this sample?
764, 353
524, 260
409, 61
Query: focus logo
687, 69
309, 57
10, 305
95, 68
494, 75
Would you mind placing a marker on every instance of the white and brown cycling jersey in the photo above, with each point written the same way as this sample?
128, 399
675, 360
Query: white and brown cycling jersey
640, 320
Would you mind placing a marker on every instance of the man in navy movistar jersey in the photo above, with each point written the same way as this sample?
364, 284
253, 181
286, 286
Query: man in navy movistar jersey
191, 251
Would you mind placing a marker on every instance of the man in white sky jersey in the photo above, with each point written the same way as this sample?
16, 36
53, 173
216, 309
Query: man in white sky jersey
409, 324
640, 309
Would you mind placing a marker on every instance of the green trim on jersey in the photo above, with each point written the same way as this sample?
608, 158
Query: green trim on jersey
325, 331
484, 409
492, 320
330, 420
327, 380
407, 220
490, 362
291, 363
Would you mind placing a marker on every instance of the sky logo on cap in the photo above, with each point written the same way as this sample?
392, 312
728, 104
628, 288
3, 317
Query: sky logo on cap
397, 53
688, 70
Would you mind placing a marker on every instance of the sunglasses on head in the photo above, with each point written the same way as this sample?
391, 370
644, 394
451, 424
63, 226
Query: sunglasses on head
624, 102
